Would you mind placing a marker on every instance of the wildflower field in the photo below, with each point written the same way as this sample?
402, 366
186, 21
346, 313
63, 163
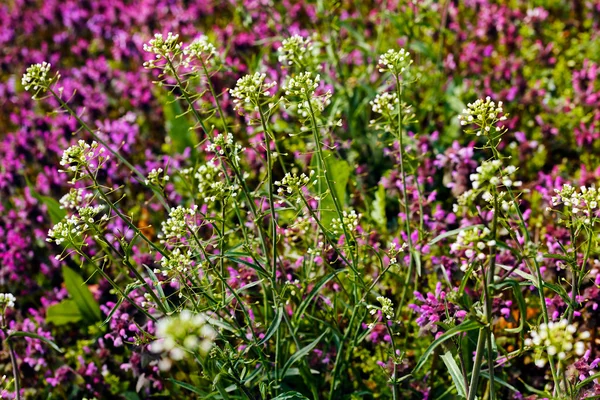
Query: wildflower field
299, 199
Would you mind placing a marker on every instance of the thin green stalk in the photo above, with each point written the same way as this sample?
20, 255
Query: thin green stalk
472, 393
15, 368
538, 272
399, 137
270, 187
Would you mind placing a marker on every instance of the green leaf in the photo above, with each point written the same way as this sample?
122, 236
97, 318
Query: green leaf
55, 211
291, 396
81, 295
339, 173
187, 386
587, 381
34, 336
522, 274
159, 289
274, 326
65, 312
520, 302
456, 374
177, 125
313, 293
302, 352
464, 327
500, 381
378, 211
240, 290
452, 233
112, 312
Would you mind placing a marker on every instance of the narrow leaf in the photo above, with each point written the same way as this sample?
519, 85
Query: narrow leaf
65, 312
34, 336
452, 233
274, 326
456, 374
81, 295
302, 353
291, 396
313, 293
464, 327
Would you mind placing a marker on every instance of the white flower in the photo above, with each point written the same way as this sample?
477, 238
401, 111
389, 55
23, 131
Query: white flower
395, 61
162, 47
180, 335
301, 89
296, 50
556, 339
7, 300
483, 114
199, 49
251, 91
36, 78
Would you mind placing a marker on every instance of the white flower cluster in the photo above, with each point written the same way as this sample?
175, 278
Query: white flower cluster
291, 183
7, 300
395, 61
582, 203
71, 229
349, 219
385, 103
36, 78
223, 144
200, 49
304, 86
177, 265
154, 177
181, 222
180, 335
251, 91
296, 50
472, 242
211, 185
82, 158
162, 47
490, 174
557, 339
387, 309
75, 199
484, 114
394, 251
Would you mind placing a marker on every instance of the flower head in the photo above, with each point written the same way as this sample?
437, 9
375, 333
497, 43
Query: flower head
483, 114
200, 49
251, 91
7, 300
180, 335
395, 61
162, 48
36, 78
556, 339
296, 50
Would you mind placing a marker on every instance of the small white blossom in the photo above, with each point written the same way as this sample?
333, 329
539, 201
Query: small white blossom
484, 115
7, 300
180, 335
395, 61
37, 80
296, 50
200, 49
162, 48
557, 339
251, 91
